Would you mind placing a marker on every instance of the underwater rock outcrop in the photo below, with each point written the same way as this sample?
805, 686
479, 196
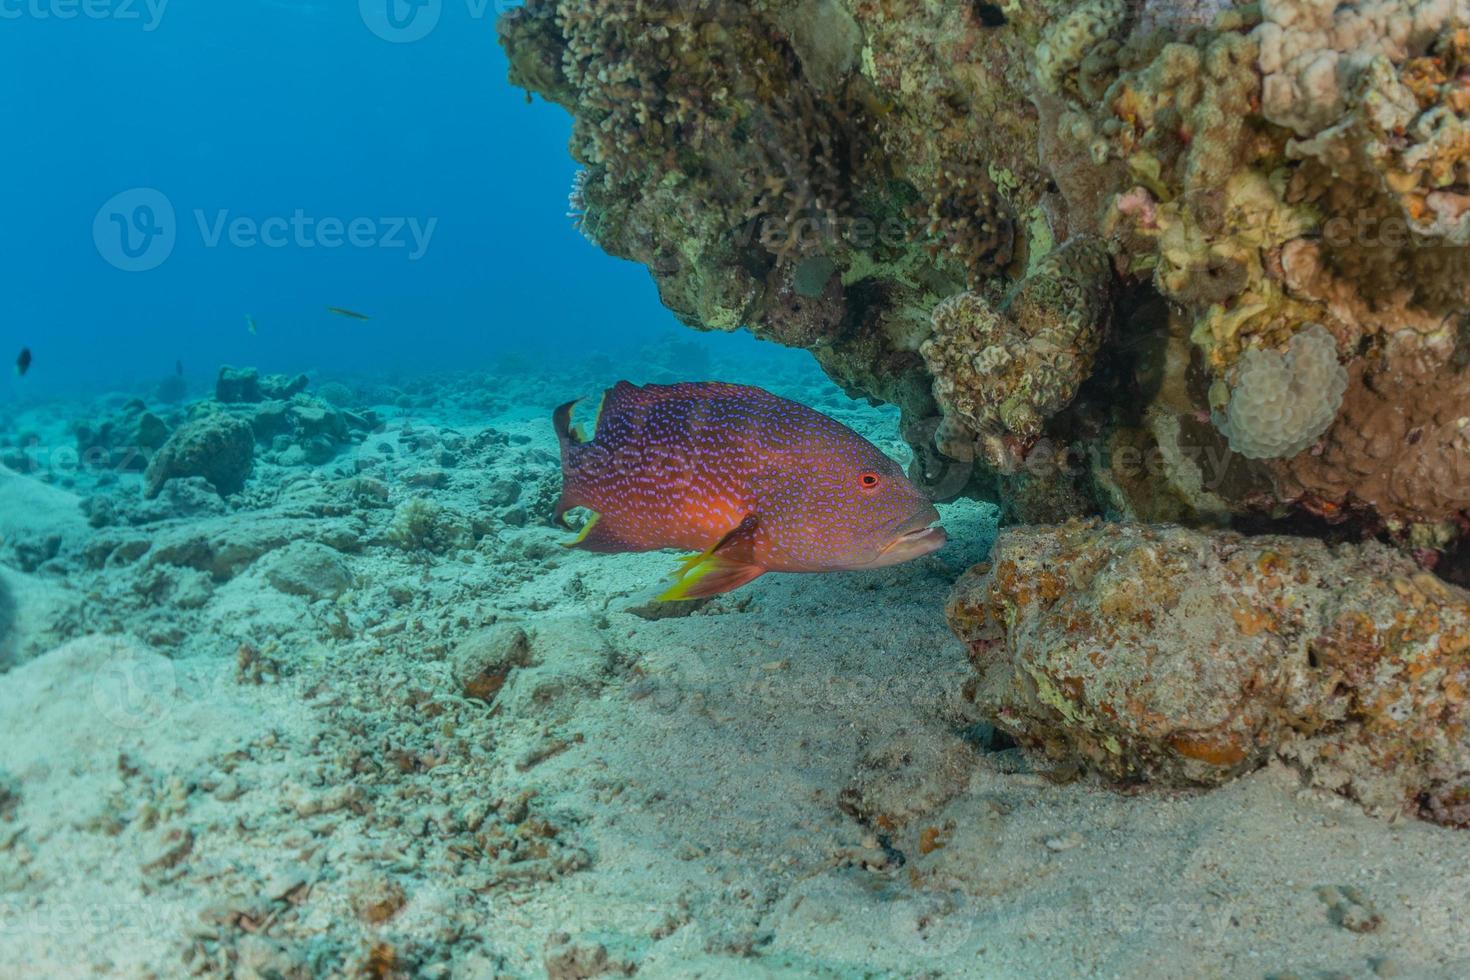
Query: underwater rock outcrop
246, 385
124, 441
216, 446
1348, 662
888, 184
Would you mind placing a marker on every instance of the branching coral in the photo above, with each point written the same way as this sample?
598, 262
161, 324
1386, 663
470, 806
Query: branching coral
968, 220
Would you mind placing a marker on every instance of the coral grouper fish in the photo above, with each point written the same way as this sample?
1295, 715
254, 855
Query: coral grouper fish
753, 482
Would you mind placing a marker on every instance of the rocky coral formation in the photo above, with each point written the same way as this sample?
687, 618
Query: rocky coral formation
246, 385
216, 446
1181, 658
1000, 373
124, 441
1255, 169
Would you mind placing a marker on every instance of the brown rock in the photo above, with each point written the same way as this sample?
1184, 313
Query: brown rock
377, 899
482, 661
1186, 658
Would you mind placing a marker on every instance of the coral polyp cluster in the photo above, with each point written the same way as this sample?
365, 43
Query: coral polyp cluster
1281, 403
1001, 371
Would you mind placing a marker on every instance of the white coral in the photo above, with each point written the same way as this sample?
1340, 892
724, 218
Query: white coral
1281, 404
1312, 52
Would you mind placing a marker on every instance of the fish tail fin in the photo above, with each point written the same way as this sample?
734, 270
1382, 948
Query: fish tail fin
566, 433
570, 437
566, 438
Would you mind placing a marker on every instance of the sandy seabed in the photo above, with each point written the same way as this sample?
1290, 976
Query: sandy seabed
317, 729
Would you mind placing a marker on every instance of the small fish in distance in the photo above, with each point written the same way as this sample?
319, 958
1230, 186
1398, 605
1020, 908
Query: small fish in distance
753, 482
350, 314
23, 362
250, 324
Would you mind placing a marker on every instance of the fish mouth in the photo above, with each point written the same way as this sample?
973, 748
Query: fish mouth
919, 541
915, 537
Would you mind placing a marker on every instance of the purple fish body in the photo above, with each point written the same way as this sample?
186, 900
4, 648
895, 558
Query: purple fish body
751, 481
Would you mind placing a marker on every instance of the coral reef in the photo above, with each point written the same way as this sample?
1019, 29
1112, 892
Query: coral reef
1350, 663
871, 180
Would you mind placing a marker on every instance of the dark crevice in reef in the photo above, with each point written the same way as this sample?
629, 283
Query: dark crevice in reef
989, 14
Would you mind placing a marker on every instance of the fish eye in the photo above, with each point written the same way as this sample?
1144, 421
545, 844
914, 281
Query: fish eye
869, 480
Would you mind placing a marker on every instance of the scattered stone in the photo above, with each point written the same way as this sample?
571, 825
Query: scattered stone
1349, 908
502, 491
308, 569
567, 959
218, 447
9, 795
482, 662
123, 441
1064, 842
376, 899
170, 846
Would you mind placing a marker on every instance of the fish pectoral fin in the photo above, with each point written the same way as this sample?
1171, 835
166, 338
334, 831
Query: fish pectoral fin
727, 564
596, 535
707, 575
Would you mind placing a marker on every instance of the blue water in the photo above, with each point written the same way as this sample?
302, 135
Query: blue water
171, 168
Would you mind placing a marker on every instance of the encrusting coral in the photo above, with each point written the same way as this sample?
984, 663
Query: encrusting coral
1000, 373
1350, 663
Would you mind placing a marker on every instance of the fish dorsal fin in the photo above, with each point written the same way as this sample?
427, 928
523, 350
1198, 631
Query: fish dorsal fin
727, 564
626, 396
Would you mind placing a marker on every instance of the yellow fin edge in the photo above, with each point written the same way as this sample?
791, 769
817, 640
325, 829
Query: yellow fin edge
582, 534
691, 570
579, 427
